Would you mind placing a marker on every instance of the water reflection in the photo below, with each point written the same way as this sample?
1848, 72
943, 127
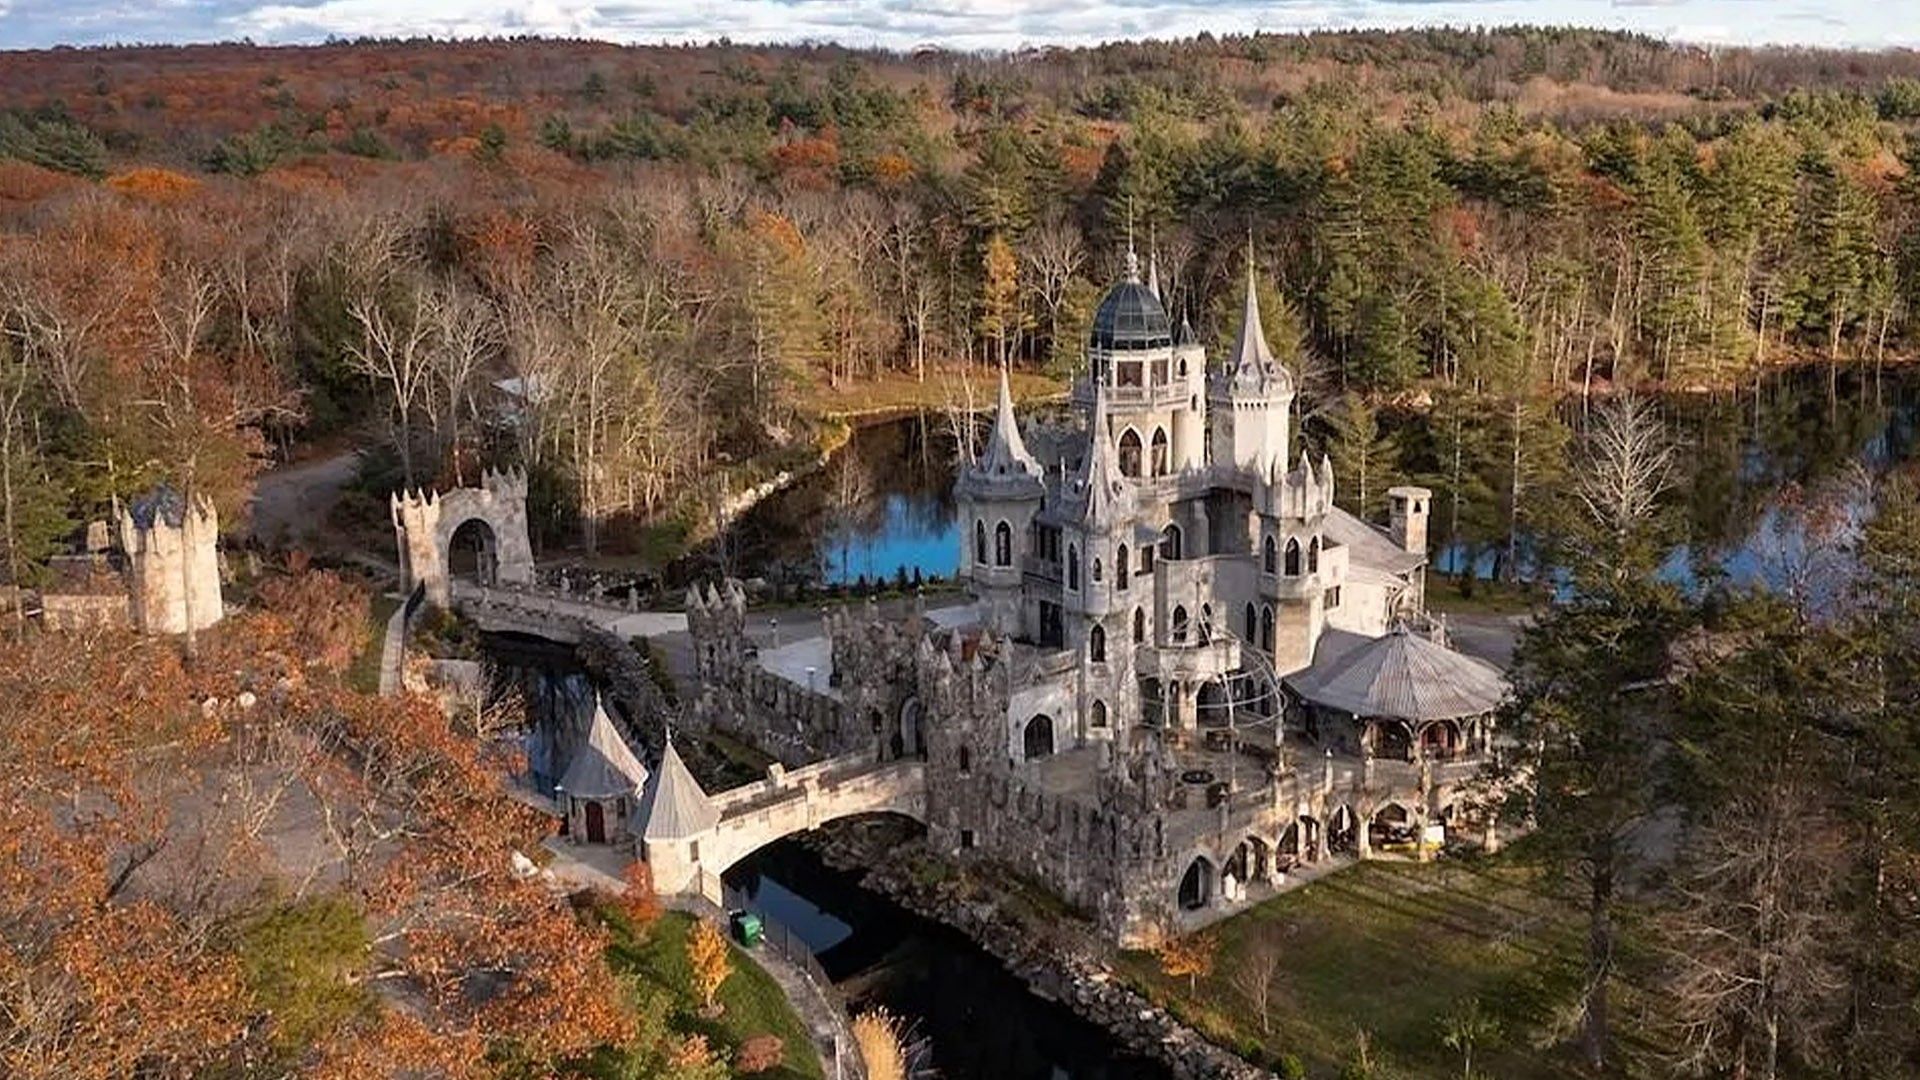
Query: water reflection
1761, 472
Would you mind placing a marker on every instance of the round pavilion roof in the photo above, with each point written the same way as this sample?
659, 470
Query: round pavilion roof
1403, 676
1130, 318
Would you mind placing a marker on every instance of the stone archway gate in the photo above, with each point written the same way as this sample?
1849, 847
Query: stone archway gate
424, 523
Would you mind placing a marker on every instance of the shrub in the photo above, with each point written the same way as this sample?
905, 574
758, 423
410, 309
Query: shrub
758, 1054
302, 963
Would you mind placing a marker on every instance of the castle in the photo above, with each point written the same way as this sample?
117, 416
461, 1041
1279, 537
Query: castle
1185, 677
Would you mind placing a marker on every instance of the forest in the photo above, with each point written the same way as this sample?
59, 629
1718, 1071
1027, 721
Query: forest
638, 271
215, 255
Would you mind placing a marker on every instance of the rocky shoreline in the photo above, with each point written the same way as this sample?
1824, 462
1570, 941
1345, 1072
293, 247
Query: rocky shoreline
1054, 966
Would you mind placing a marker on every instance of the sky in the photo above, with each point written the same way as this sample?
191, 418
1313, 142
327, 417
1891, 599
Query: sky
906, 24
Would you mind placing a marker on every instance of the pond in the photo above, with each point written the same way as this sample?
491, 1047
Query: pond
1750, 462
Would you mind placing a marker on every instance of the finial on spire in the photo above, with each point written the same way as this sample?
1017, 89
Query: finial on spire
1153, 262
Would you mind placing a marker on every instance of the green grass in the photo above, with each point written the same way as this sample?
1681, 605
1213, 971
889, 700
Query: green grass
1489, 597
1393, 947
754, 1003
364, 675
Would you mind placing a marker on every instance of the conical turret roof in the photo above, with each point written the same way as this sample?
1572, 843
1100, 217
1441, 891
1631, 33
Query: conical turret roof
1006, 450
1101, 483
674, 806
604, 767
1252, 366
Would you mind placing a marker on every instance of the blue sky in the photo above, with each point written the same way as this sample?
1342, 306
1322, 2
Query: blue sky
966, 24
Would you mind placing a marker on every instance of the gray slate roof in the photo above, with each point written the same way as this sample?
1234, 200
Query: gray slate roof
1367, 545
1402, 675
604, 768
674, 807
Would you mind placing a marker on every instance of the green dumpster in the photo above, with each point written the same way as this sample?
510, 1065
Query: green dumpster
747, 928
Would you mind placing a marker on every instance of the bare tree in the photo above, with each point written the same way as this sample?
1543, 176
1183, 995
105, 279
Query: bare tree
1053, 255
1258, 965
1629, 465
395, 350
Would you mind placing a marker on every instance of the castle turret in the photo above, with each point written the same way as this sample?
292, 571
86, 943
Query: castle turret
1408, 525
173, 562
998, 496
1251, 397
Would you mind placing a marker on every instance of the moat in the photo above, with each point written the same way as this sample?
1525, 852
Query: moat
966, 1015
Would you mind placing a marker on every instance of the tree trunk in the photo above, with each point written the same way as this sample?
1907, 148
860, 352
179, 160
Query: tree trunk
1599, 956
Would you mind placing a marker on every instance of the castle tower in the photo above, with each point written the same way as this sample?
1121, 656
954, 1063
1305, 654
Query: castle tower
173, 562
998, 496
1408, 524
1251, 397
1155, 405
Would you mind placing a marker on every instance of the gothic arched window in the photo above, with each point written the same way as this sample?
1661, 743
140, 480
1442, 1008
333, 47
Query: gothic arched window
1266, 629
1293, 558
1121, 571
1073, 567
1160, 464
1170, 541
1003, 544
980, 542
1253, 625
1096, 570
1179, 625
1099, 718
1313, 555
1130, 453
1097, 644
1139, 625
1269, 556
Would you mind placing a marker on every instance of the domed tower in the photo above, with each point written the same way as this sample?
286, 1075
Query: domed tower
1250, 398
1152, 397
997, 497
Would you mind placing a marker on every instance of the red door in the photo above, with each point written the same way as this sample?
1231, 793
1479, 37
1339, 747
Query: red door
596, 824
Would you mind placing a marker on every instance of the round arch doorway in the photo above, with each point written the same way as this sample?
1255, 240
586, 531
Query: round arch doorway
1037, 740
473, 553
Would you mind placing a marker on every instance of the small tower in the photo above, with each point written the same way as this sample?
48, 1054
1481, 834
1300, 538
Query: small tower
998, 496
173, 562
1251, 397
1408, 525
602, 785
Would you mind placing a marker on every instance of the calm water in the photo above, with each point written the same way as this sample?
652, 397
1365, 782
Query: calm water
970, 1019
1755, 468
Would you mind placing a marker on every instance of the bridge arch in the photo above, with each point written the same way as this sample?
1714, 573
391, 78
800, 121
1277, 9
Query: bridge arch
426, 525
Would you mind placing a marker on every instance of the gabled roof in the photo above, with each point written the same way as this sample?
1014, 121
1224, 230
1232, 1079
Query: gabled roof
674, 807
1367, 545
1403, 676
603, 767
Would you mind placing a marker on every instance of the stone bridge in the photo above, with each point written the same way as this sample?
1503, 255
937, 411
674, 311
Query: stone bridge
786, 802
555, 614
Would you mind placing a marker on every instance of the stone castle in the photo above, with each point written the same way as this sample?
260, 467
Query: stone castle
1185, 677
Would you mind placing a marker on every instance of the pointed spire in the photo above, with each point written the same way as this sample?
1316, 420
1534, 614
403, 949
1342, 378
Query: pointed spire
1101, 480
674, 806
604, 767
1252, 366
1153, 264
1006, 450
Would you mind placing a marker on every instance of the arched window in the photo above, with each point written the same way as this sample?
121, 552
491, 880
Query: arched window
1293, 558
1266, 629
1253, 625
1139, 625
966, 761
1269, 556
980, 542
1096, 570
1121, 571
1130, 453
1097, 644
1206, 623
1099, 717
1073, 567
1003, 544
1160, 466
1179, 625
1170, 541
1313, 555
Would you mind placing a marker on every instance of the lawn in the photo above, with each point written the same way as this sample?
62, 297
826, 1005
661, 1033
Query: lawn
1392, 948
1489, 597
755, 1004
